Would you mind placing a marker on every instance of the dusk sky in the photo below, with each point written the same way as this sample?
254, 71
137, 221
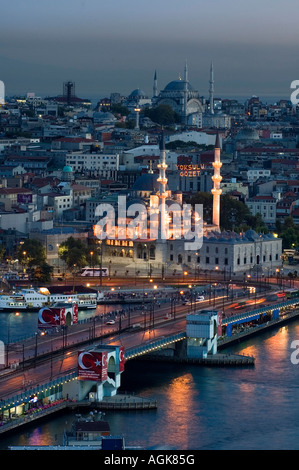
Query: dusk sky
116, 46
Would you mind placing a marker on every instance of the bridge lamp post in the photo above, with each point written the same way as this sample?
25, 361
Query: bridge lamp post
91, 262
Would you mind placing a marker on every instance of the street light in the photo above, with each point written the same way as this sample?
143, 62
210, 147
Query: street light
24, 254
91, 259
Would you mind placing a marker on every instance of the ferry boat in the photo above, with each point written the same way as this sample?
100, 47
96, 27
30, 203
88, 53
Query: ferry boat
34, 299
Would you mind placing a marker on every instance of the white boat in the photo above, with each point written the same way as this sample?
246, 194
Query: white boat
34, 299
25, 299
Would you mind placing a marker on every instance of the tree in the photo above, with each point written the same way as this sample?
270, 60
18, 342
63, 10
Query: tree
42, 273
289, 233
31, 253
162, 114
120, 109
206, 200
76, 254
234, 214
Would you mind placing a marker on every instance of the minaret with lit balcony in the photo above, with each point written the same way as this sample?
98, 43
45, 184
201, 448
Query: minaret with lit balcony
162, 180
211, 90
216, 191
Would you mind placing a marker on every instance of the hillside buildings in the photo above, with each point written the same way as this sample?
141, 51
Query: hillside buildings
60, 159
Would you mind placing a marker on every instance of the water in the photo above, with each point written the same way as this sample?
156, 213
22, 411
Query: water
250, 408
16, 328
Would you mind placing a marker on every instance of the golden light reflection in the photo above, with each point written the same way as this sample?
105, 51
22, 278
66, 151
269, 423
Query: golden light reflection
181, 404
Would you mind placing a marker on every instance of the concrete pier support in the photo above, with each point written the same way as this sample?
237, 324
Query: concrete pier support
201, 331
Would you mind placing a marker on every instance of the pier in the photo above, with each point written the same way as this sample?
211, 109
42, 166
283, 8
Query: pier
121, 401
216, 360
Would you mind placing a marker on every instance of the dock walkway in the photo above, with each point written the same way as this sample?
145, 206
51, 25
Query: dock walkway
211, 360
117, 402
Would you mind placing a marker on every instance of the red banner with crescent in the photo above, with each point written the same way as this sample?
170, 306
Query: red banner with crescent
75, 313
49, 317
93, 365
121, 359
219, 330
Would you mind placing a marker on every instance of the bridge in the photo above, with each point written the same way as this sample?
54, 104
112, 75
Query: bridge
154, 346
136, 344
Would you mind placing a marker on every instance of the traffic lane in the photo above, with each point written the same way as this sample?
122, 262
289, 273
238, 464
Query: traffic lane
52, 340
53, 368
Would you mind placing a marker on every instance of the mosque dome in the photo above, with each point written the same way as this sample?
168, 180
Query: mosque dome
67, 169
251, 235
178, 85
103, 117
146, 182
137, 94
248, 134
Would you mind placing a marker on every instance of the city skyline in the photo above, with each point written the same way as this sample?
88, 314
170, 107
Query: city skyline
117, 47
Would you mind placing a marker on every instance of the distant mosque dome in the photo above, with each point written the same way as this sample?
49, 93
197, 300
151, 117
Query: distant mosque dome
67, 173
67, 169
178, 85
103, 117
248, 134
181, 97
137, 94
137, 98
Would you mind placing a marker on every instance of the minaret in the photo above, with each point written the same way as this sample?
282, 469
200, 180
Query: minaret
211, 90
185, 91
162, 192
216, 191
155, 88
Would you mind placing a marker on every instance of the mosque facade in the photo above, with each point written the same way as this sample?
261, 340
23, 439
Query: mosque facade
181, 96
161, 256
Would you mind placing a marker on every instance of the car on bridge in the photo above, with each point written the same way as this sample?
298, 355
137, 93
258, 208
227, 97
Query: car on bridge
110, 322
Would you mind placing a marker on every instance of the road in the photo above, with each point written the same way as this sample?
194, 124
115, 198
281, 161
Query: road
55, 355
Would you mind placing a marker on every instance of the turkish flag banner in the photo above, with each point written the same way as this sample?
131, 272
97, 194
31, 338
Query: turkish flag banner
92, 365
121, 366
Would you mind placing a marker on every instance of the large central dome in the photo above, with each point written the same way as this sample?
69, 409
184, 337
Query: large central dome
178, 85
146, 182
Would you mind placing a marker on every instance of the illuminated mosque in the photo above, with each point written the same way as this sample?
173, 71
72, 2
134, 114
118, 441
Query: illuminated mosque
158, 248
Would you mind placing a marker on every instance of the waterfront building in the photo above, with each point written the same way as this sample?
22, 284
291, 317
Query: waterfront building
226, 252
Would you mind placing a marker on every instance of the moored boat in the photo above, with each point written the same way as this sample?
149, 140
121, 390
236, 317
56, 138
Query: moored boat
33, 299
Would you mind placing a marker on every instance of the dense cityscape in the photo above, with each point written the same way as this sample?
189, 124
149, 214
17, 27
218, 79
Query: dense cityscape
149, 241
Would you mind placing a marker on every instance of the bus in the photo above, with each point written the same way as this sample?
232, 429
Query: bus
292, 293
94, 272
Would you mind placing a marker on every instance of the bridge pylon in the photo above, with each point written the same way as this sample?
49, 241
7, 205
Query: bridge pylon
202, 333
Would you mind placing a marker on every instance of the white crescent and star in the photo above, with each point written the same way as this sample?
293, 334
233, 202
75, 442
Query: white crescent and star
40, 315
80, 360
121, 355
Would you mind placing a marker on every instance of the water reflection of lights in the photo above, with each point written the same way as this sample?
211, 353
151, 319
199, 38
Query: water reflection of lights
180, 398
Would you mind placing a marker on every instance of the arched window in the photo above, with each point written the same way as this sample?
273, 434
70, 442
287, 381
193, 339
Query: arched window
139, 251
152, 252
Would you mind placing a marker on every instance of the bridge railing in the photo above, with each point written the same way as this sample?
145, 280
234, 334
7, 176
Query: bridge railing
259, 311
153, 345
25, 396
